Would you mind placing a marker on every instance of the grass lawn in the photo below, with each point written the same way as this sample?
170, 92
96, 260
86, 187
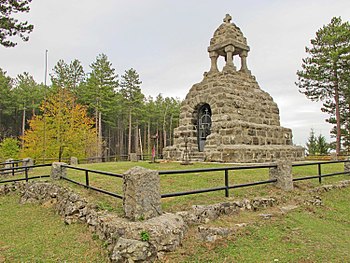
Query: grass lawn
191, 181
33, 233
309, 234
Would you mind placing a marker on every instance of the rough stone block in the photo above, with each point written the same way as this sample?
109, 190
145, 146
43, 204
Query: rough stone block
58, 170
133, 157
283, 174
141, 190
8, 163
73, 161
347, 167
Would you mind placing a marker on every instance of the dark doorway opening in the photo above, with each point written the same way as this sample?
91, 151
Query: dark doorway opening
203, 125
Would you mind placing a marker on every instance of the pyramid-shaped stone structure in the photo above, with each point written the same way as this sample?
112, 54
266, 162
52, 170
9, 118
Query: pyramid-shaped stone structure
227, 117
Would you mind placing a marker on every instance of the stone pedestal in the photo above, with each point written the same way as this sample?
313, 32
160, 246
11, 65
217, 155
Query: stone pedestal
58, 170
334, 157
73, 161
8, 163
141, 191
283, 174
347, 167
133, 157
28, 162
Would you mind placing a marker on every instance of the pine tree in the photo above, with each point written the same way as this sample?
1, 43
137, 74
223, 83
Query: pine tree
133, 100
311, 144
7, 106
68, 76
28, 96
99, 93
10, 26
324, 74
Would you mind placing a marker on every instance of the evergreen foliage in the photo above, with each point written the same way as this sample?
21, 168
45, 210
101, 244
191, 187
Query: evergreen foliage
325, 74
11, 27
317, 145
124, 119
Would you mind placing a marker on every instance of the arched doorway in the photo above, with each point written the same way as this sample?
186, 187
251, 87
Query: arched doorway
203, 125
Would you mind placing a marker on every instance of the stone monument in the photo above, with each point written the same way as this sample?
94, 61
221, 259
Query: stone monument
227, 117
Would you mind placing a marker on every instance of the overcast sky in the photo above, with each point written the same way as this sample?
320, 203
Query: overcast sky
166, 42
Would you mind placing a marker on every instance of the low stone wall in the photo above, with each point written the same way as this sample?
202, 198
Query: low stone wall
127, 241
146, 238
200, 214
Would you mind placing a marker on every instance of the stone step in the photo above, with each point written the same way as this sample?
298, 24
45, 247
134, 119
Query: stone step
197, 156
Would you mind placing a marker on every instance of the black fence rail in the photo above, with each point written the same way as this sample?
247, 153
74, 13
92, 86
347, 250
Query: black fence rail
9, 165
87, 180
22, 169
319, 175
226, 187
226, 176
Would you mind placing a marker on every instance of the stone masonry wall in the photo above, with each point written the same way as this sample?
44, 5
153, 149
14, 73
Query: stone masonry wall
242, 115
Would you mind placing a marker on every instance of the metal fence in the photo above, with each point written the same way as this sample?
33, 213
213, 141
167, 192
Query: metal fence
12, 164
87, 180
319, 175
21, 169
226, 187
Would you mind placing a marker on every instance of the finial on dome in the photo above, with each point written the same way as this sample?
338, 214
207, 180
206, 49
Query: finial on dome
227, 18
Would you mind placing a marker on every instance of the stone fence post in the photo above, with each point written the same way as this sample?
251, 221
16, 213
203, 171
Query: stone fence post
283, 174
347, 167
141, 194
8, 163
58, 170
73, 161
28, 162
133, 157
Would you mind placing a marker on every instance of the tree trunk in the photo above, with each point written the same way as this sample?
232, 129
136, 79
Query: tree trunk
149, 145
100, 134
171, 130
144, 140
337, 116
164, 126
23, 124
136, 140
129, 139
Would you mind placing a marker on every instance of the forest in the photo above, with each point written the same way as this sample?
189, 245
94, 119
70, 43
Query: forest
120, 117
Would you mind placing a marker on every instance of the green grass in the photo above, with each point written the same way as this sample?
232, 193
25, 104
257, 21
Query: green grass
309, 234
191, 181
185, 182
33, 233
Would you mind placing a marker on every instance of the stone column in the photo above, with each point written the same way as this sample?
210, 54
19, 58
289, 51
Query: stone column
229, 57
58, 170
28, 162
141, 190
8, 163
73, 161
283, 174
347, 167
213, 59
243, 55
133, 157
